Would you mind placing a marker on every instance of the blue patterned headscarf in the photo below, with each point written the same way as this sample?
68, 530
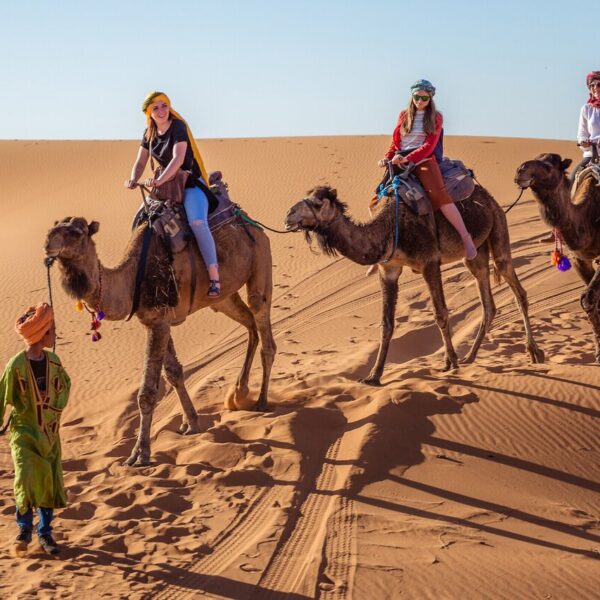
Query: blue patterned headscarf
423, 84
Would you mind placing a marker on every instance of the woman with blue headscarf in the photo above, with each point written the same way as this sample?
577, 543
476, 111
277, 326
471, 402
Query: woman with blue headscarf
416, 139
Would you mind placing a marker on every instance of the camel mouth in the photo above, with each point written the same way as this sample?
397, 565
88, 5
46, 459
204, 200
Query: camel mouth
52, 252
292, 227
525, 183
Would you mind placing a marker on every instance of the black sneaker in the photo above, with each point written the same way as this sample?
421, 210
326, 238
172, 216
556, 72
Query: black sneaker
48, 544
22, 541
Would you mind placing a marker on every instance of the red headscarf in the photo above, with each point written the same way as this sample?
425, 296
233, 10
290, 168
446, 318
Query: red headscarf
593, 76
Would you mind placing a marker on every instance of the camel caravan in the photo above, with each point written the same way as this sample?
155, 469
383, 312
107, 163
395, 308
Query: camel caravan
161, 282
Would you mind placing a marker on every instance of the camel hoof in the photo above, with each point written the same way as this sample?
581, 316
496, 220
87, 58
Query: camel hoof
239, 399
466, 360
537, 356
450, 365
371, 380
261, 407
137, 459
188, 429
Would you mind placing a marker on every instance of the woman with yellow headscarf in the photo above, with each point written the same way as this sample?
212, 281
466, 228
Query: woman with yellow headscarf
170, 142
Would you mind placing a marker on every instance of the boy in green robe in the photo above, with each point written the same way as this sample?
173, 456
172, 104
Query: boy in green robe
37, 387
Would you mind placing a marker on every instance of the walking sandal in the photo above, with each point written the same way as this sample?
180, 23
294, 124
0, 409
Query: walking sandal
214, 289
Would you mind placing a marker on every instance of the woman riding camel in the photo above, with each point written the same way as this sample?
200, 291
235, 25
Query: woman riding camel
588, 132
171, 143
415, 140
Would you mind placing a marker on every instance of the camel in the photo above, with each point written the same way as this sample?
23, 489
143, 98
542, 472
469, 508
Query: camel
424, 244
245, 259
577, 219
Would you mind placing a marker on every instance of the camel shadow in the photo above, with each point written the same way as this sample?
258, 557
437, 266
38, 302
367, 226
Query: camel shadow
400, 430
396, 445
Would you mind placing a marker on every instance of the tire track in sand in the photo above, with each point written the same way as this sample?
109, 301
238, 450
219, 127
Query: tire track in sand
296, 566
255, 523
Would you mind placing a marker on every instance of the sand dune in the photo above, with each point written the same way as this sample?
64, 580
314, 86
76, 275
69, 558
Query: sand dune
480, 483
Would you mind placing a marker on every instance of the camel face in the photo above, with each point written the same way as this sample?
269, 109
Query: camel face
546, 170
69, 238
320, 207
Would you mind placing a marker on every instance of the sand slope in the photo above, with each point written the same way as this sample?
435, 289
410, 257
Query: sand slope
481, 483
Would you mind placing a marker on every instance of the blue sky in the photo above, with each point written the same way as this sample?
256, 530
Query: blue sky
248, 68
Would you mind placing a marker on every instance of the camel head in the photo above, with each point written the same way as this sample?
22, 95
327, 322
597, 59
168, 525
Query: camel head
545, 171
70, 239
317, 210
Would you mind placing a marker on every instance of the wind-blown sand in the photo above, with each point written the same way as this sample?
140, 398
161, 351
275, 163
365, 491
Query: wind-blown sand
479, 483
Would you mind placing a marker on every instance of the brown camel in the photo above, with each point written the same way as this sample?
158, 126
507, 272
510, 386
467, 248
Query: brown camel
577, 219
424, 244
244, 258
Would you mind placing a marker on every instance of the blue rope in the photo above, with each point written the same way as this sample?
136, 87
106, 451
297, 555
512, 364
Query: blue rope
395, 185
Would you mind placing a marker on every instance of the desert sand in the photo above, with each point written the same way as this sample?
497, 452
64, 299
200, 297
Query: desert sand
479, 483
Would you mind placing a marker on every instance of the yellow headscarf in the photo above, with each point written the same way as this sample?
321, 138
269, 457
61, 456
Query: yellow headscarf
153, 97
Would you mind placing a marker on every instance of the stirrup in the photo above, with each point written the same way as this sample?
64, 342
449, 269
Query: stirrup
214, 289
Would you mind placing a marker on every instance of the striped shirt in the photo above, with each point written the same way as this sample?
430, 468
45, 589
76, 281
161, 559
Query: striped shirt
416, 136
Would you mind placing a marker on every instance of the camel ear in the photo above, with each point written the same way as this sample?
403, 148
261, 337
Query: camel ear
93, 228
564, 165
333, 193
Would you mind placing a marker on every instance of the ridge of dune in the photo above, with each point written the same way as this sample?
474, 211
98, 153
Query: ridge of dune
479, 483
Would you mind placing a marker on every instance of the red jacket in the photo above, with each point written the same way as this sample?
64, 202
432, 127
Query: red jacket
426, 150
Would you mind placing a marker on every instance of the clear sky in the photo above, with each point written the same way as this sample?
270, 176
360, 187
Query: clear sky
248, 68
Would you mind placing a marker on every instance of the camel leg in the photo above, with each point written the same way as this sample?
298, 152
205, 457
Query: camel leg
480, 270
156, 346
433, 278
174, 375
506, 269
260, 289
235, 308
388, 279
590, 302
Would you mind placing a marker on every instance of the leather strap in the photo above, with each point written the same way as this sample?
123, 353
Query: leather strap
141, 270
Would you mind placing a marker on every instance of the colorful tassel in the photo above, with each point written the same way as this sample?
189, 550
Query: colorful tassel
557, 258
79, 306
564, 264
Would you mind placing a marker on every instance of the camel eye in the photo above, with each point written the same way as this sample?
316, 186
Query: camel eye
317, 202
75, 232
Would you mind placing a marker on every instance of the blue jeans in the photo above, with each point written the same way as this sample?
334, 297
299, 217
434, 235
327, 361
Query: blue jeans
45, 518
196, 209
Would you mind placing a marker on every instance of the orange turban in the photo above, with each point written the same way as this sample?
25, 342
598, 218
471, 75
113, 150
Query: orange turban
33, 325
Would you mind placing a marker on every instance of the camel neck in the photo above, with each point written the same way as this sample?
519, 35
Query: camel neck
558, 211
109, 290
362, 243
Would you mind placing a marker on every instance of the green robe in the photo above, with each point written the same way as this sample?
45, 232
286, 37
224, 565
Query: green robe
34, 437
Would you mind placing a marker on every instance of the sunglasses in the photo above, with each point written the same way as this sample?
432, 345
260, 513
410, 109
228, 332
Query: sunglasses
423, 98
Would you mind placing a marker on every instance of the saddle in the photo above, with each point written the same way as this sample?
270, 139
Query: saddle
169, 221
459, 182
591, 170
